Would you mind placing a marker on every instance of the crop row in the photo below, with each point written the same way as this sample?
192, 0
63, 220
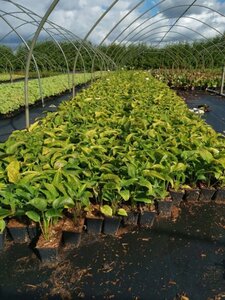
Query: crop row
189, 79
12, 95
7, 77
124, 141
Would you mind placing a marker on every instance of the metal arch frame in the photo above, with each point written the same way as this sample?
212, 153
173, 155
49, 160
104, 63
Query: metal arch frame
30, 53
166, 50
177, 55
88, 34
48, 33
11, 65
184, 17
163, 26
28, 48
123, 54
176, 21
115, 26
139, 17
173, 56
160, 12
87, 44
183, 26
188, 38
57, 28
36, 35
208, 48
41, 57
29, 14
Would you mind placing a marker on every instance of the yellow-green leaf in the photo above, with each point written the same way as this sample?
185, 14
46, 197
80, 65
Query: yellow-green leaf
13, 171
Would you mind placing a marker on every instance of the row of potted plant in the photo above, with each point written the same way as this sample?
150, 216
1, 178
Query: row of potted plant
12, 94
125, 141
189, 79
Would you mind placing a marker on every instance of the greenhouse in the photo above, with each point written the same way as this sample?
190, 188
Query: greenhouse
112, 149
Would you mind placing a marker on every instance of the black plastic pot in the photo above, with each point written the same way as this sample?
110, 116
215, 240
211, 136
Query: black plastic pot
219, 196
192, 195
131, 219
71, 238
48, 253
94, 225
177, 197
147, 218
111, 225
206, 194
33, 231
72, 232
165, 208
2, 240
18, 234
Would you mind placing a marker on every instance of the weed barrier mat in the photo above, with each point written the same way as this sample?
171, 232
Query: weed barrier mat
216, 116
186, 256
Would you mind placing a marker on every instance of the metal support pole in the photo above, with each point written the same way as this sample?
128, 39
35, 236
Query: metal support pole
85, 39
44, 19
222, 81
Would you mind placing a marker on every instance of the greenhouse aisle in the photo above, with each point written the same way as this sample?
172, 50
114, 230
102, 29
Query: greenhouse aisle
174, 258
216, 116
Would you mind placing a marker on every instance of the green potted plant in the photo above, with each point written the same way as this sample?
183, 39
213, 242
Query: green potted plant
74, 222
177, 174
48, 213
112, 211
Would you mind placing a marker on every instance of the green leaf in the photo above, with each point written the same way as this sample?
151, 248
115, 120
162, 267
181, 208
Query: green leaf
221, 161
12, 149
2, 225
154, 174
131, 170
39, 203
110, 177
144, 200
33, 126
28, 176
63, 203
125, 194
206, 155
144, 182
53, 213
51, 188
33, 216
4, 213
13, 171
106, 210
122, 212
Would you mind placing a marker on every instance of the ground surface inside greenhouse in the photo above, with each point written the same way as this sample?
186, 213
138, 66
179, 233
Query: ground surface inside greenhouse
186, 256
216, 115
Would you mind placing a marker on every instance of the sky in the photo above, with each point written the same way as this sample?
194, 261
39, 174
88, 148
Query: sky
153, 21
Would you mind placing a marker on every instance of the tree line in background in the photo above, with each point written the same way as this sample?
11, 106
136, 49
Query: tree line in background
61, 57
